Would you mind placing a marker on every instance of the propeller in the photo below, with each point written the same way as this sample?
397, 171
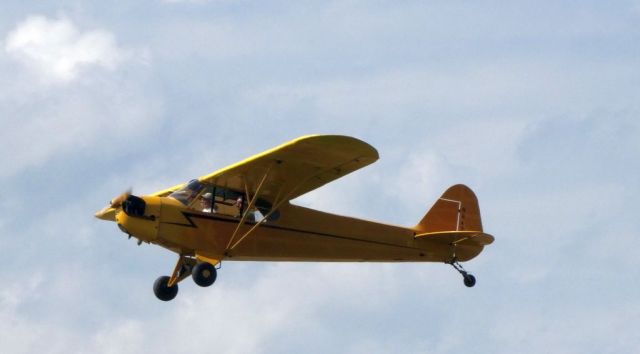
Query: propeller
117, 201
108, 213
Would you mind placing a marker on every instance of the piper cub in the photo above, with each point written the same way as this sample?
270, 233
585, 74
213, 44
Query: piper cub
242, 213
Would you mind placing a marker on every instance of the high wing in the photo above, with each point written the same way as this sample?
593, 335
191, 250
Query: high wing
293, 168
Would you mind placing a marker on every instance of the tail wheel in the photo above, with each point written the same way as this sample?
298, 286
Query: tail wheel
469, 280
204, 274
163, 291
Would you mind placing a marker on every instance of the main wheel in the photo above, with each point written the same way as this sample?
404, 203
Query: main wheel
469, 280
164, 292
204, 274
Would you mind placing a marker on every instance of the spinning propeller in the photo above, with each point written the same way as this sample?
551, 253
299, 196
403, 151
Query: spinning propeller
117, 201
109, 212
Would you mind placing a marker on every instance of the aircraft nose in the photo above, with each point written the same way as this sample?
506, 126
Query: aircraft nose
144, 229
140, 220
107, 213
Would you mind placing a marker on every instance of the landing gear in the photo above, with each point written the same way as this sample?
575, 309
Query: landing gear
469, 280
204, 274
162, 289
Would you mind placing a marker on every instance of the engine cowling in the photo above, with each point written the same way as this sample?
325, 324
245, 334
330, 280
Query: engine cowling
139, 217
134, 206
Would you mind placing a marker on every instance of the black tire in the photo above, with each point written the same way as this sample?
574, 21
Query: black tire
204, 274
469, 280
162, 291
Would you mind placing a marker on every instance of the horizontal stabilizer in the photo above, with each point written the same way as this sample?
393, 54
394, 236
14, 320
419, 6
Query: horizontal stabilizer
458, 237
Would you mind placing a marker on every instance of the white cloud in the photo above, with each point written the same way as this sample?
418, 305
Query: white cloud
279, 306
52, 123
488, 147
58, 51
81, 98
128, 334
571, 330
422, 174
195, 1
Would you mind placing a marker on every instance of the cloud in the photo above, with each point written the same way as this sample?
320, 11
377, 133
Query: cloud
573, 329
55, 123
71, 93
58, 51
196, 1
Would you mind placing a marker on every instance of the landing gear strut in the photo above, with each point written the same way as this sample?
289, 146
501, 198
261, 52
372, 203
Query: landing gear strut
469, 280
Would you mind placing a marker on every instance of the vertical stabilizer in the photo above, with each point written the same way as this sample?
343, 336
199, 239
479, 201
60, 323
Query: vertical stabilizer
456, 210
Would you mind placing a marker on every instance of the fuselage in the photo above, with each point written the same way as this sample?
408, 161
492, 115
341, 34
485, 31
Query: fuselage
299, 234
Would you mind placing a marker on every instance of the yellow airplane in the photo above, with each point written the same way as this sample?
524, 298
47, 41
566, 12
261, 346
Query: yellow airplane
242, 213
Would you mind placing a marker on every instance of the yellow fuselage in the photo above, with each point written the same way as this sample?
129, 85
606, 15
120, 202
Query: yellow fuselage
300, 234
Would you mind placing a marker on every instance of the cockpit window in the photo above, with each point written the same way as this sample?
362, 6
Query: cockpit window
186, 194
221, 200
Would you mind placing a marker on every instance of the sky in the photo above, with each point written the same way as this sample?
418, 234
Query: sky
534, 105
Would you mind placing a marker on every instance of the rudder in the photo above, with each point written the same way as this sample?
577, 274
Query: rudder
456, 210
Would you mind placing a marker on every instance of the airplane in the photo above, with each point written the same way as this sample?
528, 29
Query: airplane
243, 213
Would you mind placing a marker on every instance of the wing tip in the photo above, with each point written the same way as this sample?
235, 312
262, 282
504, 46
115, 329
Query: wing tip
368, 149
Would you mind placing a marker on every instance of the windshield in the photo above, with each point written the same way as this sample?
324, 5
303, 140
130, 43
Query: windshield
186, 194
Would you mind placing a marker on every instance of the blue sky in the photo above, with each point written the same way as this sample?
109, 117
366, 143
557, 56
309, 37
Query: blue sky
534, 105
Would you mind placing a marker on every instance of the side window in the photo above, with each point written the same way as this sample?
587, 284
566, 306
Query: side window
224, 200
221, 200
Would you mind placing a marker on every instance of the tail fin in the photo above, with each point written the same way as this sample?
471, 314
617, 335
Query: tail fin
456, 210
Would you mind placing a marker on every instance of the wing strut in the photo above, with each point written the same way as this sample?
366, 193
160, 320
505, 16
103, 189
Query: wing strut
252, 203
273, 209
277, 204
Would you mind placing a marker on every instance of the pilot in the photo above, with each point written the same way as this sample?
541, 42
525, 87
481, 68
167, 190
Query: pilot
206, 201
251, 217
